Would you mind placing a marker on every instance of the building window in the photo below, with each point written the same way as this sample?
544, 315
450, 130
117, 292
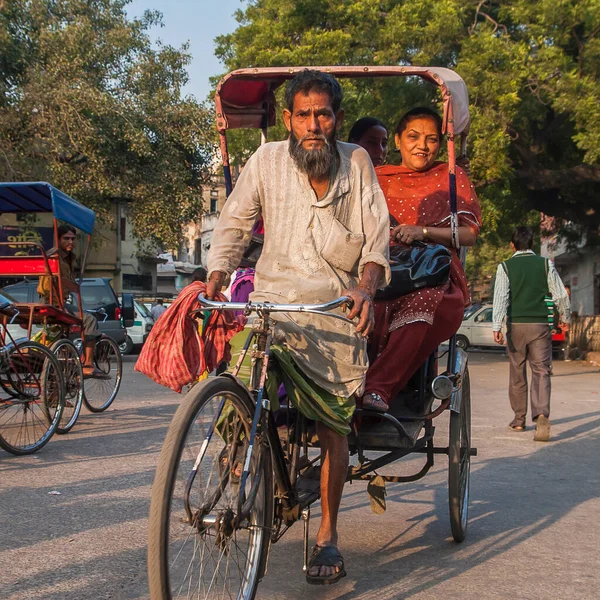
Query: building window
123, 229
198, 252
137, 283
214, 204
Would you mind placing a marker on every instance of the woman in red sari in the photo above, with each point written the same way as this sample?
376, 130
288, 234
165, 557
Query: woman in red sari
408, 329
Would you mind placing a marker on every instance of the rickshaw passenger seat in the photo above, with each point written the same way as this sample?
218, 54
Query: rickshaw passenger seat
43, 313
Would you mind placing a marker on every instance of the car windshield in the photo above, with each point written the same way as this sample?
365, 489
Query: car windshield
8, 297
18, 292
142, 309
470, 310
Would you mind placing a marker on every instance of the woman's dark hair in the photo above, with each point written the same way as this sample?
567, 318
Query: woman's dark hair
65, 228
361, 127
420, 112
522, 238
310, 80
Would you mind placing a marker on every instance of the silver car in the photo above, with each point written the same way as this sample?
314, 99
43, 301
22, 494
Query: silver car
476, 328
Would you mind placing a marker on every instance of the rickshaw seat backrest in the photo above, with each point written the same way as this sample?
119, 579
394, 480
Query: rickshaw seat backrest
21, 266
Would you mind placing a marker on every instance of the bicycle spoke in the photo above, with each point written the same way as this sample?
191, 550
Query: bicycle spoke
215, 557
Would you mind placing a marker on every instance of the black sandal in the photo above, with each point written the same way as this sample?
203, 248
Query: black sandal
95, 374
325, 556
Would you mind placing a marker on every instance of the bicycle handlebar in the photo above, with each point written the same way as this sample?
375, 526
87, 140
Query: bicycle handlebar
250, 306
99, 311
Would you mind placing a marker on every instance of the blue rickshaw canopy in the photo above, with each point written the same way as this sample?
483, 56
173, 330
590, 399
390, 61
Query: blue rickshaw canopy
41, 197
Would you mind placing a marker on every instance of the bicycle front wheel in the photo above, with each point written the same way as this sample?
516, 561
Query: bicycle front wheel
72, 371
200, 544
99, 392
31, 412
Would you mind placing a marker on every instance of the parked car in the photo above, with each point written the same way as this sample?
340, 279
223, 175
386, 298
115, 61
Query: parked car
476, 328
142, 325
97, 296
560, 343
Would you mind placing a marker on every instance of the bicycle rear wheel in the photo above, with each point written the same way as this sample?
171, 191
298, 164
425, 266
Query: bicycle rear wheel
70, 364
199, 546
31, 412
99, 393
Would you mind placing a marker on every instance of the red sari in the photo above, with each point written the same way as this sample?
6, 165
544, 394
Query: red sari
408, 329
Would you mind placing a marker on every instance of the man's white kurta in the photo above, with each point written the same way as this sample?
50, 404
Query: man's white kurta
313, 250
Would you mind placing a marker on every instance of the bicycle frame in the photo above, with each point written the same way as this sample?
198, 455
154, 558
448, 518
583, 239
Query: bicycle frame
262, 421
5, 361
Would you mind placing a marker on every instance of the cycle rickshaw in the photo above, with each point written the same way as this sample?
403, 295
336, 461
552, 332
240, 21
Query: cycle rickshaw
32, 389
59, 326
233, 475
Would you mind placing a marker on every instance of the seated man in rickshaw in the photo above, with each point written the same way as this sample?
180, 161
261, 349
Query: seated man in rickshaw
326, 235
66, 259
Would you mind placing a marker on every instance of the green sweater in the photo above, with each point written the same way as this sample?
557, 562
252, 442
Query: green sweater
528, 280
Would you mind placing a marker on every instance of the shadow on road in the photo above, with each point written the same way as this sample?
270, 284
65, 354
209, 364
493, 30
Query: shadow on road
512, 499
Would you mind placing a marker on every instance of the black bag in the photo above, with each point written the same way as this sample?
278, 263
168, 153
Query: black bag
415, 267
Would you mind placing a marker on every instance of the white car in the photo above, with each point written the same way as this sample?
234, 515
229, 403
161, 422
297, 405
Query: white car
476, 328
136, 335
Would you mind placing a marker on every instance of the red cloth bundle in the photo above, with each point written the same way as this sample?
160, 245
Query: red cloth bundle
175, 354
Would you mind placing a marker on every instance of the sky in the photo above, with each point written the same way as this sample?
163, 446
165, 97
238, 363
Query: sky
197, 22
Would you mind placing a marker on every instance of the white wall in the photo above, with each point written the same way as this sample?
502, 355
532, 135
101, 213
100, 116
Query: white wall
579, 271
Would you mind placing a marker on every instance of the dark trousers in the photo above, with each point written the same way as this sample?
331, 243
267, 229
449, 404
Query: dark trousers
408, 347
90, 324
529, 342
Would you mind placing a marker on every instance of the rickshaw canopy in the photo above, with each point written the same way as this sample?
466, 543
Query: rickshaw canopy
246, 98
41, 197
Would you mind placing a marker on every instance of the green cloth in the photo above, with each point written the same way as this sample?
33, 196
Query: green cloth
311, 400
528, 281
552, 316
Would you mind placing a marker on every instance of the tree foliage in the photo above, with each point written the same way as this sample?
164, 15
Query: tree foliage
531, 68
87, 104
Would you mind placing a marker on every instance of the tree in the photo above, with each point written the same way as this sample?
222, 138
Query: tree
87, 104
531, 68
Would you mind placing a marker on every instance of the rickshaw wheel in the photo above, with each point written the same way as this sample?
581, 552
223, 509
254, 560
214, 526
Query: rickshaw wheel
196, 540
459, 459
99, 393
72, 371
31, 412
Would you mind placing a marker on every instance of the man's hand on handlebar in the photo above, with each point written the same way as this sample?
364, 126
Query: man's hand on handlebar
215, 283
362, 308
362, 298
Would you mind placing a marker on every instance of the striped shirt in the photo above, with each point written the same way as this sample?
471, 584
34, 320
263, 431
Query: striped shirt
502, 294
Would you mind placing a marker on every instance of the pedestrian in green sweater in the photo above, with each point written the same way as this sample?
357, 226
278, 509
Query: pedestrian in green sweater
523, 282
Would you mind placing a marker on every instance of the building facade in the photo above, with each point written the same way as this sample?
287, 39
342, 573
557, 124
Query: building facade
115, 253
579, 269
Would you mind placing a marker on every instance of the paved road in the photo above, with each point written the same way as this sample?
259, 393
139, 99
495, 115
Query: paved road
534, 530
